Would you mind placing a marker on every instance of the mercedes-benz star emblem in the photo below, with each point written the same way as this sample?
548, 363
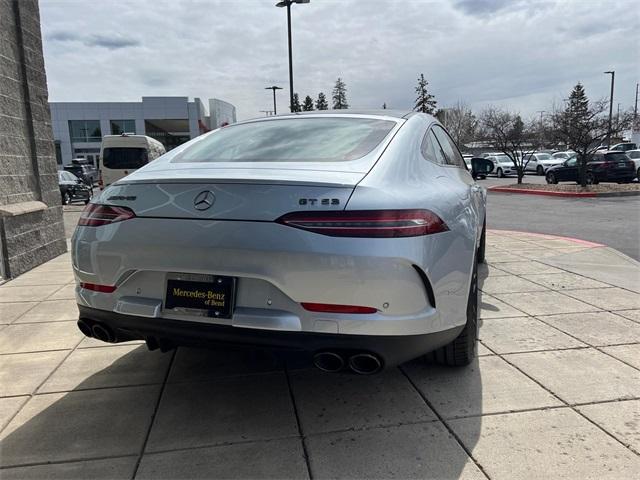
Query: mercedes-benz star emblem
204, 200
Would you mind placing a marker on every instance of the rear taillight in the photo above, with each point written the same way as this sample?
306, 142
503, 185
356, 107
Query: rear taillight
96, 215
367, 223
98, 288
331, 308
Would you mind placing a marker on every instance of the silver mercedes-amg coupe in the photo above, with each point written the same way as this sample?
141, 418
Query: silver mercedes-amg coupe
353, 236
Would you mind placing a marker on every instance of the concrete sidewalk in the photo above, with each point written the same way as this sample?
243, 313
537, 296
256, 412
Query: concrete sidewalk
555, 392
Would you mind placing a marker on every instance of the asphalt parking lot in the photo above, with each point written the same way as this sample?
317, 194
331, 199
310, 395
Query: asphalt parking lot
555, 392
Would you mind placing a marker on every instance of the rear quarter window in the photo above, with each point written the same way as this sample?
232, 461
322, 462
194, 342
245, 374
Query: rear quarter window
291, 140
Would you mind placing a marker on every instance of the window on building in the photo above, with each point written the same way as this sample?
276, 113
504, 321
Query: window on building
118, 127
85, 131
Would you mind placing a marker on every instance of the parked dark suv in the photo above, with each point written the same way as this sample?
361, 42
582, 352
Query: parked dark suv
601, 167
84, 171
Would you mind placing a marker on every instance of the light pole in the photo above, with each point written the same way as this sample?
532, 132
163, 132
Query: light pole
274, 88
541, 112
613, 77
635, 108
281, 4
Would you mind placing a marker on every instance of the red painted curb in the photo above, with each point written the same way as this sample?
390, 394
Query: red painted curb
542, 192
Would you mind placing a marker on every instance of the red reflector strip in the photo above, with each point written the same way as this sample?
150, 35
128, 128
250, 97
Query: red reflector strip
330, 308
95, 215
367, 223
98, 288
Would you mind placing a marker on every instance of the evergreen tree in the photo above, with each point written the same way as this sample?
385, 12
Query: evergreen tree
425, 102
384, 106
321, 103
340, 95
307, 106
578, 105
296, 103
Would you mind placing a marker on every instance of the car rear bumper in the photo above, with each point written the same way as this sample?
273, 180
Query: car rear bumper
392, 349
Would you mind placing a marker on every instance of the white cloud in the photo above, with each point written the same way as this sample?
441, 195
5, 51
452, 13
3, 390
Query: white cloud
521, 54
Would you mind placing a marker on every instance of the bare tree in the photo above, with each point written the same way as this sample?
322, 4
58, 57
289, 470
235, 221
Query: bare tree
506, 132
583, 125
460, 122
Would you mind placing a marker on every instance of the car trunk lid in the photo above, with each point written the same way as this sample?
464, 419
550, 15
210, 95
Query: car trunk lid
232, 193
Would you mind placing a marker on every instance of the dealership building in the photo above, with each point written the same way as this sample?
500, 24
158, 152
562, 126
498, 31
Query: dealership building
78, 127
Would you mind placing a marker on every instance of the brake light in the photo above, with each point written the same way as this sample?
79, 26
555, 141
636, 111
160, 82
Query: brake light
330, 308
96, 215
98, 288
367, 223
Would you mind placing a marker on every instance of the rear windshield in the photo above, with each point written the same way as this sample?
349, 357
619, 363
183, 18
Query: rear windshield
291, 140
124, 158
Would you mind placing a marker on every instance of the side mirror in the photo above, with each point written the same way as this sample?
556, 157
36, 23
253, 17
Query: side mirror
481, 166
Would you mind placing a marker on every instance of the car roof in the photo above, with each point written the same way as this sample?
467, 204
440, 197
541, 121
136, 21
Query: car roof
399, 114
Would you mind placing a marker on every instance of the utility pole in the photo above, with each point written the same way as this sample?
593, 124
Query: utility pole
274, 88
613, 79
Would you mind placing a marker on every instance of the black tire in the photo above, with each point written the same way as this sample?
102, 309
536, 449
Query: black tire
551, 178
591, 179
463, 349
540, 170
638, 174
500, 173
87, 201
66, 198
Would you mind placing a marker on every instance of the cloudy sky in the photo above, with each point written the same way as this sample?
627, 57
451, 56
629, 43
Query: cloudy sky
520, 54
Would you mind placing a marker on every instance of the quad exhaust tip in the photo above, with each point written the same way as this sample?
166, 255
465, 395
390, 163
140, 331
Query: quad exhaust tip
328, 361
365, 364
85, 328
360, 363
102, 332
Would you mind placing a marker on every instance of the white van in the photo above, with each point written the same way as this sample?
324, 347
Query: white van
121, 155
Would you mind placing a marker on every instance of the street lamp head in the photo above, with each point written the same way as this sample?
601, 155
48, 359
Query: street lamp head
610, 72
287, 3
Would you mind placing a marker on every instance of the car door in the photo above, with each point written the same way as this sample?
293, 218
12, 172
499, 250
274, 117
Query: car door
568, 170
533, 162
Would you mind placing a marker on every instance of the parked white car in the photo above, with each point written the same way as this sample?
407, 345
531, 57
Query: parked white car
635, 156
502, 165
564, 155
541, 162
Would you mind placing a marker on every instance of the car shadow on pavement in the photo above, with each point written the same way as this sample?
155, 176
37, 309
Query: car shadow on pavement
243, 414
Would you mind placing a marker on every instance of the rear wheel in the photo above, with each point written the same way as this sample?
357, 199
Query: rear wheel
591, 179
500, 173
551, 178
540, 170
463, 349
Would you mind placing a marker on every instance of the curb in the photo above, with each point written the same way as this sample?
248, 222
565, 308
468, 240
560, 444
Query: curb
549, 193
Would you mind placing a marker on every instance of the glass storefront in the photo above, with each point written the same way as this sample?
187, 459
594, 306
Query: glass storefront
169, 132
118, 127
85, 131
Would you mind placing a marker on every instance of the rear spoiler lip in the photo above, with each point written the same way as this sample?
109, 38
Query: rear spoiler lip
237, 181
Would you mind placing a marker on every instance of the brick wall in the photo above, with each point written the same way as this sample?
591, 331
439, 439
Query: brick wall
31, 227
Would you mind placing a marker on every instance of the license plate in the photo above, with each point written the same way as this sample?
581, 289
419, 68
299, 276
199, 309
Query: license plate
203, 295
